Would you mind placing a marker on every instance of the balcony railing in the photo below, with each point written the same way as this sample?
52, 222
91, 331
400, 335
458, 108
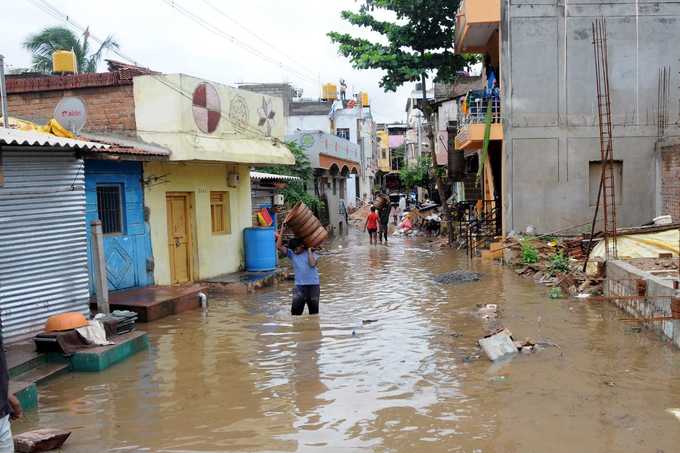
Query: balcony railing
476, 112
471, 124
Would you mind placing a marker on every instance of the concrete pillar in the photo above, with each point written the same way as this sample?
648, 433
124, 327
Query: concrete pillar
99, 261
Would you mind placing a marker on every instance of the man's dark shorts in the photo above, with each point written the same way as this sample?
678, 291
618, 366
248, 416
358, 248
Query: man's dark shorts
305, 295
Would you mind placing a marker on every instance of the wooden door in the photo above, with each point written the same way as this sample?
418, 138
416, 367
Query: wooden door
179, 237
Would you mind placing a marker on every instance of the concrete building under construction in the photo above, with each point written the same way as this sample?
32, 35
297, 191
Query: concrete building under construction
545, 148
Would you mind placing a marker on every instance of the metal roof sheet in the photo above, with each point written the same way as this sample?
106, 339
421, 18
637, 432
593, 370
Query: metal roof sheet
23, 138
260, 175
127, 145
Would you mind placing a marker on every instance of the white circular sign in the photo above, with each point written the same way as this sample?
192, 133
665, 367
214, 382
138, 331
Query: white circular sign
71, 113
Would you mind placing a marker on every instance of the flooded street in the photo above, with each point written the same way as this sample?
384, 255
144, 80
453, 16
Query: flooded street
248, 377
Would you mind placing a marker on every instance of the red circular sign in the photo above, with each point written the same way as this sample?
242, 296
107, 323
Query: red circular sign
206, 107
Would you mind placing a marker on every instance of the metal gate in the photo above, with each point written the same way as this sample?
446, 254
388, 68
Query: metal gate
43, 244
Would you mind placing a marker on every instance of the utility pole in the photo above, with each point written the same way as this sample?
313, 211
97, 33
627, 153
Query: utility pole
3, 93
420, 134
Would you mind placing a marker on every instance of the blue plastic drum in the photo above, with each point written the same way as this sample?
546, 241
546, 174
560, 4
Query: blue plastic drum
260, 248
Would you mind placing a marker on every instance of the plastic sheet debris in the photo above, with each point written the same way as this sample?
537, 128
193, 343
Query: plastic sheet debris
488, 311
674, 411
457, 276
499, 344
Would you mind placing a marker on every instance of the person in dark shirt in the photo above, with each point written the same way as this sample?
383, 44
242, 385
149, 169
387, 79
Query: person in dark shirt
10, 408
384, 214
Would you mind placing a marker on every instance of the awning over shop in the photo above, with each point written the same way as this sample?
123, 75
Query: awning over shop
326, 162
258, 175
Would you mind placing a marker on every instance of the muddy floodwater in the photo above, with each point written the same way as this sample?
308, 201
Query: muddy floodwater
248, 377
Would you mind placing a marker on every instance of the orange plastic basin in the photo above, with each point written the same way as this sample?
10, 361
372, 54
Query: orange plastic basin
65, 321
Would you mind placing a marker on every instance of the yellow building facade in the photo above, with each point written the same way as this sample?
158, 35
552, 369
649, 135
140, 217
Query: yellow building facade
384, 163
199, 201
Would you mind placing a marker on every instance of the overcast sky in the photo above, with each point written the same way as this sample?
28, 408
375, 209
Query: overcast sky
155, 34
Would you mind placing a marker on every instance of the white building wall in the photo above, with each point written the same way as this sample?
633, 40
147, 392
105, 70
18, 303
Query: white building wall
347, 119
308, 123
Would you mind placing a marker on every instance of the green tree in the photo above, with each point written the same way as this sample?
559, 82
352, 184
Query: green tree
417, 45
44, 43
296, 190
417, 174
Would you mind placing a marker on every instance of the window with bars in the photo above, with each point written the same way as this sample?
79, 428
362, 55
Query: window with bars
110, 208
219, 213
342, 132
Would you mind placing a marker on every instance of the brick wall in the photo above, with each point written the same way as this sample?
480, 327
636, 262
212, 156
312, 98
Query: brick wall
109, 109
670, 182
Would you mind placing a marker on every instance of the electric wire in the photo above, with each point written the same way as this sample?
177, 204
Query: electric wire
231, 38
256, 36
53, 12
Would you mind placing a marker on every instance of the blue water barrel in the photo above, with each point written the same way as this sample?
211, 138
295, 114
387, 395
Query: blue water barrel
260, 247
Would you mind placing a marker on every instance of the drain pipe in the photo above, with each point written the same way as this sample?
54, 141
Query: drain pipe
204, 301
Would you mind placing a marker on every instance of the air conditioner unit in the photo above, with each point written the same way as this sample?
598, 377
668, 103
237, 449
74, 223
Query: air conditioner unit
233, 179
278, 199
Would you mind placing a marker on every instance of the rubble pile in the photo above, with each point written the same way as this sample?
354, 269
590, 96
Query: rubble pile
553, 262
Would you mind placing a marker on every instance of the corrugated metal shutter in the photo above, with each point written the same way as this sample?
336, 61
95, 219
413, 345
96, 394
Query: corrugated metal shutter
43, 247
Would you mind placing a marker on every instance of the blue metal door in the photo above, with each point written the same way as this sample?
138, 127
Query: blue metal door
115, 196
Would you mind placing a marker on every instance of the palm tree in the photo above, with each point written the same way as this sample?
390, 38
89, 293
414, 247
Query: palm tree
51, 39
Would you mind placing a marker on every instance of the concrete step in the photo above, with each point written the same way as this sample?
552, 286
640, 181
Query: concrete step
155, 302
26, 393
25, 385
43, 372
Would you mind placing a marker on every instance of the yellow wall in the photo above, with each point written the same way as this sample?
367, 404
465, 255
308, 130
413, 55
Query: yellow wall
383, 145
164, 116
214, 254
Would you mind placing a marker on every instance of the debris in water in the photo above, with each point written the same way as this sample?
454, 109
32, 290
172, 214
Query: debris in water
582, 296
354, 334
470, 358
457, 276
369, 321
525, 347
498, 344
609, 383
674, 411
40, 440
500, 378
487, 311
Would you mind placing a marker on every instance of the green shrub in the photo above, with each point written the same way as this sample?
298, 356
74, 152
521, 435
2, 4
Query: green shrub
555, 293
559, 263
529, 253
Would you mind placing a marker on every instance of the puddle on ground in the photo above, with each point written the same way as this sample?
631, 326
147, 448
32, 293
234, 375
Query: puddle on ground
248, 377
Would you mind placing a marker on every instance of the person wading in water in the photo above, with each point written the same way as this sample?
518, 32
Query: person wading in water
307, 286
384, 227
